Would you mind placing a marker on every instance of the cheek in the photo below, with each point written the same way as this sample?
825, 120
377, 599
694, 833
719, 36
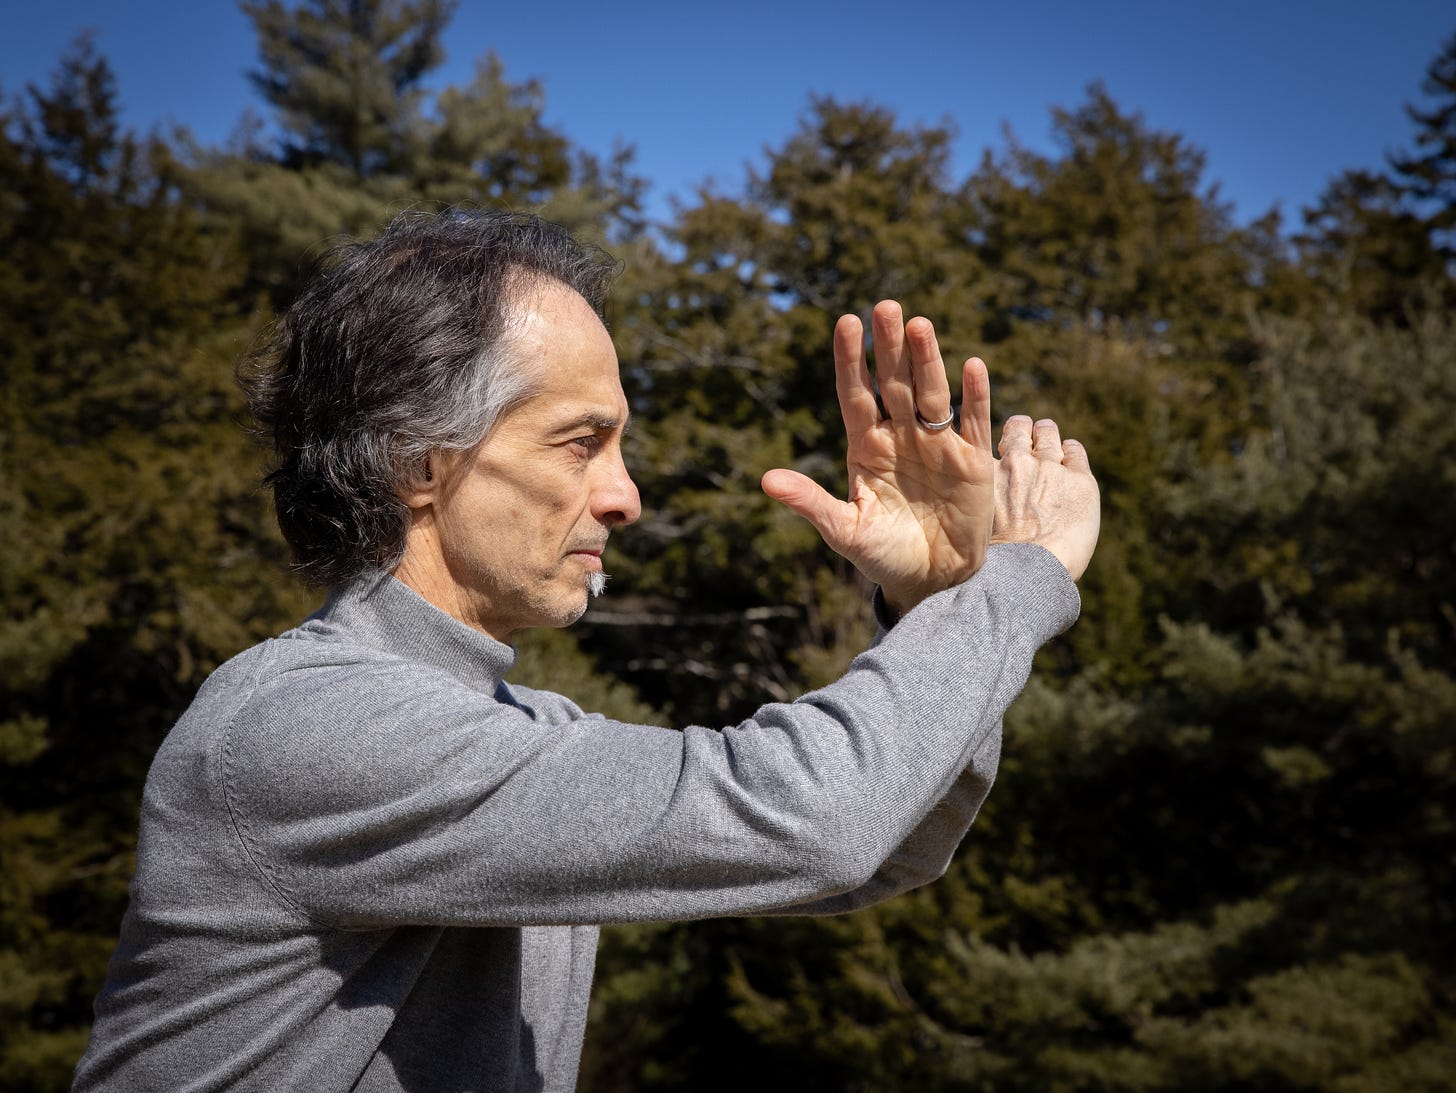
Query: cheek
559, 500
534, 525
516, 515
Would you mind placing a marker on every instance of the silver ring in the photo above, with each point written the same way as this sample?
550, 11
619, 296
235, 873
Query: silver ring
935, 426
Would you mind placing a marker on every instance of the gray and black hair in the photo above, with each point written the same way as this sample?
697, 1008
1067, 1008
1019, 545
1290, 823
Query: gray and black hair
397, 348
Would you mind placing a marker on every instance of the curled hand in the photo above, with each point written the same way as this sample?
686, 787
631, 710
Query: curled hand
1045, 493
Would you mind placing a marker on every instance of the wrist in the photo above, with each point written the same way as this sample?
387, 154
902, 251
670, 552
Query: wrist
900, 602
885, 615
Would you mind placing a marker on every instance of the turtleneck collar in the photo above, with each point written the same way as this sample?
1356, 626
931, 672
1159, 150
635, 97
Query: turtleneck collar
383, 613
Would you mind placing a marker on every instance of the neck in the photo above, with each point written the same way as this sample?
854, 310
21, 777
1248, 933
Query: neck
423, 569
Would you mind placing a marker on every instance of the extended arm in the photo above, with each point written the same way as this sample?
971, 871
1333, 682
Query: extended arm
453, 808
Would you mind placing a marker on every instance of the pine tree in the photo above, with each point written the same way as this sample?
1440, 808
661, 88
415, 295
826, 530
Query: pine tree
362, 140
1219, 855
1428, 173
1367, 248
725, 358
1213, 859
1384, 245
143, 555
1118, 231
344, 76
1237, 874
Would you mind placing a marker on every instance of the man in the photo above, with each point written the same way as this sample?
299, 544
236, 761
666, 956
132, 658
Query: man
368, 863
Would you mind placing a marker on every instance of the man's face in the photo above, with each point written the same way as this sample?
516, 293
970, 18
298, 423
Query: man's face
522, 519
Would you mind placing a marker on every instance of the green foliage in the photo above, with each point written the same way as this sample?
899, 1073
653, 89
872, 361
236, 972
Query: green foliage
855, 209
363, 140
1384, 246
344, 78
550, 660
726, 363
1428, 172
1117, 231
1370, 250
1327, 505
141, 553
1215, 860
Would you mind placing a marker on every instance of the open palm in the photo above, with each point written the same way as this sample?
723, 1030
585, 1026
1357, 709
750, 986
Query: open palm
921, 501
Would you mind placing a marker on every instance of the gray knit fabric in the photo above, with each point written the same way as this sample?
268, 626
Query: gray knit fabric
366, 863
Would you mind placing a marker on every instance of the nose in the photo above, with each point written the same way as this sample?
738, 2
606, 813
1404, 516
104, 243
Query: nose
615, 500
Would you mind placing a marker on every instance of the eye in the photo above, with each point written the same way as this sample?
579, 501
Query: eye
589, 443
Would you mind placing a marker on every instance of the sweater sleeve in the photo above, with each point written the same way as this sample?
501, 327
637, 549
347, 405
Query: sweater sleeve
376, 792
926, 853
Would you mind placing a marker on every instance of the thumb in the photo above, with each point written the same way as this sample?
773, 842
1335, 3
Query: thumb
811, 501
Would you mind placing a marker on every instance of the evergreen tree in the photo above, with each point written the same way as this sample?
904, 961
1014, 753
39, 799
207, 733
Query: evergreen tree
1385, 245
344, 76
1213, 860
491, 138
731, 600
1118, 231
141, 555
362, 140
1236, 875
832, 194
1219, 856
1428, 173
725, 356
147, 552
1369, 251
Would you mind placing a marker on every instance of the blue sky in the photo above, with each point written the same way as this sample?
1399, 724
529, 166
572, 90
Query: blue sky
1280, 95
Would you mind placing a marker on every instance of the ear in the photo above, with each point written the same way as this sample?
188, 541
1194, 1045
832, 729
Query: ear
423, 485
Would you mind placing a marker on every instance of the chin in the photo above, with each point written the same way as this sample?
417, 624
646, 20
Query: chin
566, 612
569, 614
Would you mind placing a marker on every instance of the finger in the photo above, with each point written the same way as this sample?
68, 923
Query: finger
1046, 440
811, 501
927, 370
976, 404
892, 366
852, 378
1074, 455
1015, 435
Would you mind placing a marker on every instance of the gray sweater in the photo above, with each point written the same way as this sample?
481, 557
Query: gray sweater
367, 863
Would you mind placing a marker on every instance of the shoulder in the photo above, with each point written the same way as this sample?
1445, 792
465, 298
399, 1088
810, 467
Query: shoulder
319, 698
333, 730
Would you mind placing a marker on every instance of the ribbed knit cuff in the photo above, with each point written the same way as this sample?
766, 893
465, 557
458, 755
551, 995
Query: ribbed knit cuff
1049, 593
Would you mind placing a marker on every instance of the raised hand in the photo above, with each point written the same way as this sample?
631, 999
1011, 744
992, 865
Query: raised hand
1045, 493
921, 500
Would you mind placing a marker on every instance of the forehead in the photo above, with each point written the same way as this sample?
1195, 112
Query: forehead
569, 353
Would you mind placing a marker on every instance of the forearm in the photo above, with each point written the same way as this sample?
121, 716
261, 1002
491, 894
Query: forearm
947, 672
926, 854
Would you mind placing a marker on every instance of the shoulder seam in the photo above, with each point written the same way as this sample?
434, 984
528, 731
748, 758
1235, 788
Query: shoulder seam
240, 824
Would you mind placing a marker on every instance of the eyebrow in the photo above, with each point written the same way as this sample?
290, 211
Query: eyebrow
604, 423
